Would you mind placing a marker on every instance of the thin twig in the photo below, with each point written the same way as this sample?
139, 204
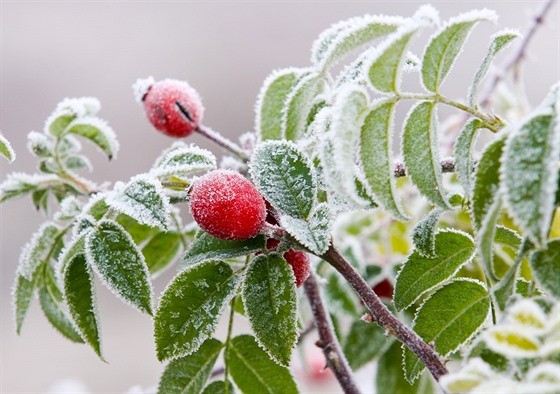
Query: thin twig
327, 339
223, 142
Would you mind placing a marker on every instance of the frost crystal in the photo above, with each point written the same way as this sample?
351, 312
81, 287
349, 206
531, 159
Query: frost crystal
141, 87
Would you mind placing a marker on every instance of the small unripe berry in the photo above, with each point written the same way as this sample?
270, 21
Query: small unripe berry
226, 205
172, 107
300, 265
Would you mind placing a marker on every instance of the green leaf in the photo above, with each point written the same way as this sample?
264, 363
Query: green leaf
313, 233
191, 306
364, 342
57, 316
6, 149
184, 161
219, 387
139, 232
188, 375
528, 175
345, 36
270, 103
420, 274
98, 132
496, 360
78, 162
38, 249
449, 318
299, 104
23, 295
57, 123
340, 296
162, 250
464, 147
446, 44
17, 184
270, 299
254, 372
390, 377
376, 157
508, 237
79, 293
206, 247
424, 234
546, 267
143, 199
421, 152
285, 177
503, 290
40, 199
120, 264
384, 68
76, 246
500, 41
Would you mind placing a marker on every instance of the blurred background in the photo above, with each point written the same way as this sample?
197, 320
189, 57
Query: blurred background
51, 50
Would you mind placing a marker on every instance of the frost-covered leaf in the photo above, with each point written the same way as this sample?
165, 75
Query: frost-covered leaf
79, 293
420, 274
69, 208
219, 387
529, 177
98, 132
285, 177
270, 104
57, 316
500, 41
17, 184
184, 161
469, 378
446, 44
364, 342
188, 375
270, 299
138, 231
376, 157
206, 247
162, 250
424, 234
343, 37
384, 68
39, 144
143, 199
421, 152
528, 316
120, 264
78, 162
38, 249
299, 104
68, 110
313, 233
254, 372
449, 318
6, 149
96, 206
340, 296
191, 306
504, 289
512, 341
463, 151
507, 237
76, 246
545, 264
490, 357
22, 297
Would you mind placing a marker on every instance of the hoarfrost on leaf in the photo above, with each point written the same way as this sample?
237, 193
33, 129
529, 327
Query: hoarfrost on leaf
313, 233
39, 144
184, 161
6, 149
38, 249
97, 131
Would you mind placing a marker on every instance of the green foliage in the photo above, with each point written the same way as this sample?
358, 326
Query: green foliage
313, 233
23, 294
56, 316
546, 265
364, 342
6, 149
464, 147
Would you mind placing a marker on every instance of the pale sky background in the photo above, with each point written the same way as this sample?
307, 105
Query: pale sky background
51, 50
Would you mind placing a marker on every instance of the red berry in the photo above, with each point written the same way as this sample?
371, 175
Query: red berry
300, 265
384, 289
173, 107
272, 243
226, 205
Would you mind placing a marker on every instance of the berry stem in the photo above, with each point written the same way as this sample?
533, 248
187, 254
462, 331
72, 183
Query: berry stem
228, 341
383, 316
223, 142
327, 339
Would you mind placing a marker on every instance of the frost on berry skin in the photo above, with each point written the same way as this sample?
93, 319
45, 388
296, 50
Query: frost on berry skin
226, 205
300, 263
172, 107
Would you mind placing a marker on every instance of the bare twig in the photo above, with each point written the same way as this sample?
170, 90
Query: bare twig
223, 142
327, 339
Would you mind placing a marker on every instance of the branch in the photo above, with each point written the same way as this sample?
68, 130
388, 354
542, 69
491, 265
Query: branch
383, 316
223, 142
327, 339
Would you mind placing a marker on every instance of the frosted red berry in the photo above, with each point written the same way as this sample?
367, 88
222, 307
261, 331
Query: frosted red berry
173, 107
226, 205
300, 265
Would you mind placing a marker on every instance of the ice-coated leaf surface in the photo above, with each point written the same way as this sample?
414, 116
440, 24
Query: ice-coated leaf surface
6, 149
79, 293
449, 318
424, 234
57, 316
508, 237
546, 267
139, 232
421, 152
285, 177
188, 375
98, 132
78, 162
76, 246
143, 199
219, 387
343, 37
161, 250
364, 342
528, 175
419, 274
68, 110
254, 372
206, 247
270, 299
512, 342
17, 184
446, 44
313, 233
22, 297
38, 249
500, 41
340, 296
377, 159
191, 306
184, 161
120, 264
464, 146
270, 104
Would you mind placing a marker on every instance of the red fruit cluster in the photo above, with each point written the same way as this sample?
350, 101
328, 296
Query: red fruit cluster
226, 205
173, 107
